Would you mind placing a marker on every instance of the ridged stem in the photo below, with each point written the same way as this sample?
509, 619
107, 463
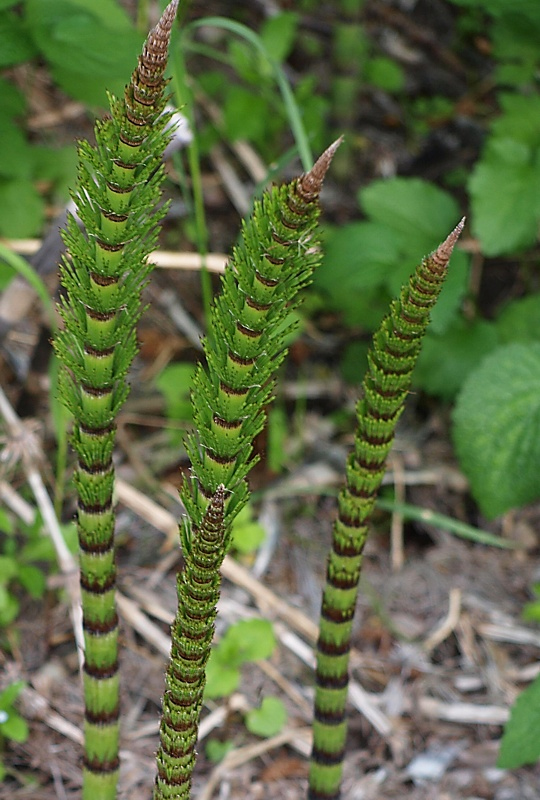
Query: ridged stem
391, 361
118, 189
274, 260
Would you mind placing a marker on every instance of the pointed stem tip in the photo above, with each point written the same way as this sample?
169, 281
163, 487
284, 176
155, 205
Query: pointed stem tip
158, 39
311, 182
441, 255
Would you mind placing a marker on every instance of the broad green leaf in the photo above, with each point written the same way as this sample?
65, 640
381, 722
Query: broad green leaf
16, 153
6, 522
520, 743
267, 720
8, 569
278, 34
420, 213
10, 694
419, 216
33, 579
221, 679
497, 428
9, 607
247, 533
446, 360
384, 73
90, 47
15, 44
246, 115
496, 7
520, 118
505, 196
357, 259
22, 209
15, 728
216, 750
518, 322
13, 100
175, 383
248, 640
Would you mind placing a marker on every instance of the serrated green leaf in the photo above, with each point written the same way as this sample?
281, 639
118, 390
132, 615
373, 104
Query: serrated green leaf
357, 259
267, 720
446, 360
418, 211
520, 743
520, 118
85, 45
497, 428
505, 197
518, 321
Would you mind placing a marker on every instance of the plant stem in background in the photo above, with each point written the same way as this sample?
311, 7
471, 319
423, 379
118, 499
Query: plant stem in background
118, 189
395, 349
275, 258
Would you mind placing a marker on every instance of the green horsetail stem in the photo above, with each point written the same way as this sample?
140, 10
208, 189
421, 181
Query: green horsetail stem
276, 256
391, 361
118, 188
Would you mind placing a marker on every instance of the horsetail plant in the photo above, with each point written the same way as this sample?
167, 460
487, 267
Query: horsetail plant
117, 193
391, 360
276, 256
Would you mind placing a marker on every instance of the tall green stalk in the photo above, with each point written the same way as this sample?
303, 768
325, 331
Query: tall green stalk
276, 257
391, 361
118, 190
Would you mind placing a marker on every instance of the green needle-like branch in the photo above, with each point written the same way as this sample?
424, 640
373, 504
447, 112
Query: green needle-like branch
391, 361
117, 193
275, 258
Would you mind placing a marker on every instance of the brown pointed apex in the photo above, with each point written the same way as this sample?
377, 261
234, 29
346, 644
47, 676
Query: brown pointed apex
156, 47
441, 256
310, 184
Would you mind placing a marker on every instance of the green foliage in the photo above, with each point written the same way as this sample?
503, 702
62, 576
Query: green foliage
247, 533
85, 45
175, 382
12, 726
520, 743
505, 196
24, 562
117, 194
267, 720
246, 342
248, 640
365, 263
391, 360
497, 428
